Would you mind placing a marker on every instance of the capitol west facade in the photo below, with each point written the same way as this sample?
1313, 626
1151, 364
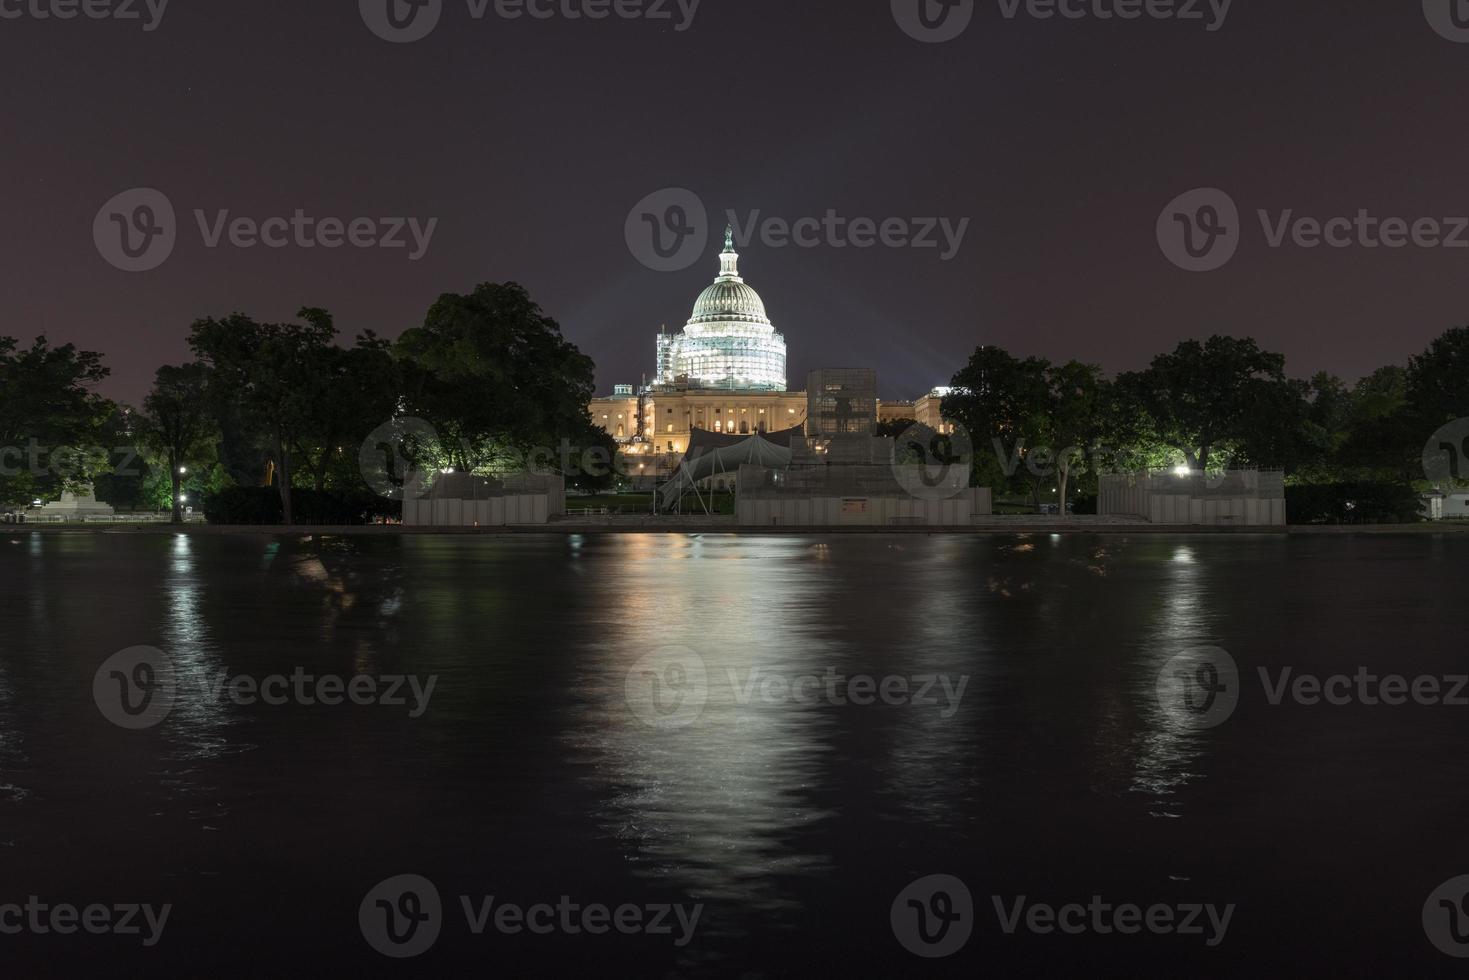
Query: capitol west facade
725, 372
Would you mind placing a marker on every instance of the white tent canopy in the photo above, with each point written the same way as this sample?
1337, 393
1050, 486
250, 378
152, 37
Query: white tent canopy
712, 453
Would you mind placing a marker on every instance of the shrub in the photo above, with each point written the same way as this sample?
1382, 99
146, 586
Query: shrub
1352, 503
262, 505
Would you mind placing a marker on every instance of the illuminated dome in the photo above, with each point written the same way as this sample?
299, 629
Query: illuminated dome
729, 342
729, 300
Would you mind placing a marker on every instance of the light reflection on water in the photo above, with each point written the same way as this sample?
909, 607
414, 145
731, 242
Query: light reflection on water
1049, 774
710, 805
1166, 757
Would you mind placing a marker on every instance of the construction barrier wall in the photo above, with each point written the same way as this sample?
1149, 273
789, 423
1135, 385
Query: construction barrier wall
1243, 498
778, 510
491, 512
461, 500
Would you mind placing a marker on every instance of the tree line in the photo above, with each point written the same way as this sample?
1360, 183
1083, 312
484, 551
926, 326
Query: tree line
1221, 403
286, 405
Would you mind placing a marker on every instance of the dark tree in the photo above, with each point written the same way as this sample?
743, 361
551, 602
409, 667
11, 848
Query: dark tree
175, 421
1224, 396
493, 375
265, 376
46, 403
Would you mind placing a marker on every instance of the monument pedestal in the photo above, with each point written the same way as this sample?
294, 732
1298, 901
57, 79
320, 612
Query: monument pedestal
73, 506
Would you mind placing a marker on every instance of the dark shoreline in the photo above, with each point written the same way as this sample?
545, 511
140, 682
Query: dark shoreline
641, 526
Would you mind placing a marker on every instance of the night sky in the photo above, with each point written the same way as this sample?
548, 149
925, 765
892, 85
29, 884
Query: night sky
530, 141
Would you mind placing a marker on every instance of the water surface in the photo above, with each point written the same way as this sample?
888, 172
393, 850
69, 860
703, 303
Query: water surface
794, 822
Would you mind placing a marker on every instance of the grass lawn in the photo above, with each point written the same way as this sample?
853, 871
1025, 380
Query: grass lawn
617, 503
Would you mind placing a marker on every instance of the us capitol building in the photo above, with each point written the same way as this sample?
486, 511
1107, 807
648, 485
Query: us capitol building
724, 372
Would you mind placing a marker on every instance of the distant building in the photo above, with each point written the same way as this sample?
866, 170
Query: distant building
729, 343
841, 402
725, 372
1441, 504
